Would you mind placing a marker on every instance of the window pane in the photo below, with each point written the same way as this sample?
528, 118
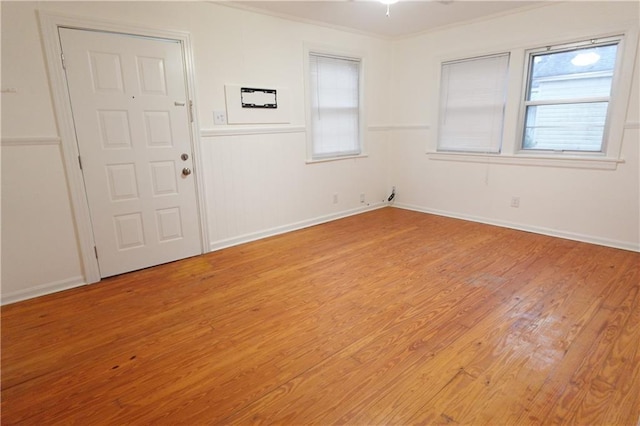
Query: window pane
335, 111
575, 74
574, 127
568, 98
335, 132
472, 97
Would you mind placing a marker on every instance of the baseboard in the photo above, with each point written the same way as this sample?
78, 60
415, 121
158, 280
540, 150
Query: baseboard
73, 282
522, 227
241, 239
53, 287
42, 290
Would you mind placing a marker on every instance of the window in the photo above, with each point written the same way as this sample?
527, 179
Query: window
562, 105
334, 95
567, 96
472, 101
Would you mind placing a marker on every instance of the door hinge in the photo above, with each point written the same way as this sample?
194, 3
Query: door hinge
80, 162
191, 111
95, 249
64, 65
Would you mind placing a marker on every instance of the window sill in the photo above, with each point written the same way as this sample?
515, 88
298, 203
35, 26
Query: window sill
346, 157
568, 161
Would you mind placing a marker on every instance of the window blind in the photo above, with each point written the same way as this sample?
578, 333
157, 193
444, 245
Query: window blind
472, 100
335, 105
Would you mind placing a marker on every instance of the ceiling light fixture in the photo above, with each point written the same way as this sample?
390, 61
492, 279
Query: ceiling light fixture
388, 3
584, 59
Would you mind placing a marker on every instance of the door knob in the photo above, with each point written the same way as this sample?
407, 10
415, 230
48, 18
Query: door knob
186, 171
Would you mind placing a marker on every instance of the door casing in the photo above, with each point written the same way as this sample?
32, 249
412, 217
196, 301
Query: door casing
49, 24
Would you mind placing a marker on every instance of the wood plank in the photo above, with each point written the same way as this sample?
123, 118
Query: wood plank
565, 387
423, 383
391, 316
548, 335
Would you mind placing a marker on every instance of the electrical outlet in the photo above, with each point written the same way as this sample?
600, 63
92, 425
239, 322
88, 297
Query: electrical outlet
362, 197
219, 117
335, 198
515, 202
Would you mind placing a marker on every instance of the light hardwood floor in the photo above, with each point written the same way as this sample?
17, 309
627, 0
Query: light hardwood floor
389, 317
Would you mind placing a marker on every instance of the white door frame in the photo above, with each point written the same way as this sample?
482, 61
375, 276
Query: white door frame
49, 24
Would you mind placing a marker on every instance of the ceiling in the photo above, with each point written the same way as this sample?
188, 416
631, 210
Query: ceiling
369, 16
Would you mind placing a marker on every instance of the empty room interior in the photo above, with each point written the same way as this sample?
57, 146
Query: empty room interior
323, 212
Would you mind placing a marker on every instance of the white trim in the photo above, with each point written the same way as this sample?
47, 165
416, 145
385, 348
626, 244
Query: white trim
198, 160
42, 290
49, 24
472, 21
577, 44
240, 131
267, 130
298, 19
573, 162
234, 241
30, 141
567, 101
624, 245
394, 127
328, 159
403, 36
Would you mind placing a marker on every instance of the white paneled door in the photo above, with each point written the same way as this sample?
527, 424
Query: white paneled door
131, 113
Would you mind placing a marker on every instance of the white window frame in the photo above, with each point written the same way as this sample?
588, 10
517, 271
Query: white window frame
566, 47
511, 153
340, 54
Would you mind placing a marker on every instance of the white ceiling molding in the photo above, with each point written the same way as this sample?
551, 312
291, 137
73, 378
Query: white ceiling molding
368, 17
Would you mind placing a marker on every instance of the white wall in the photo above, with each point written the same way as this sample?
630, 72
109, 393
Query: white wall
259, 184
38, 235
599, 206
255, 185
